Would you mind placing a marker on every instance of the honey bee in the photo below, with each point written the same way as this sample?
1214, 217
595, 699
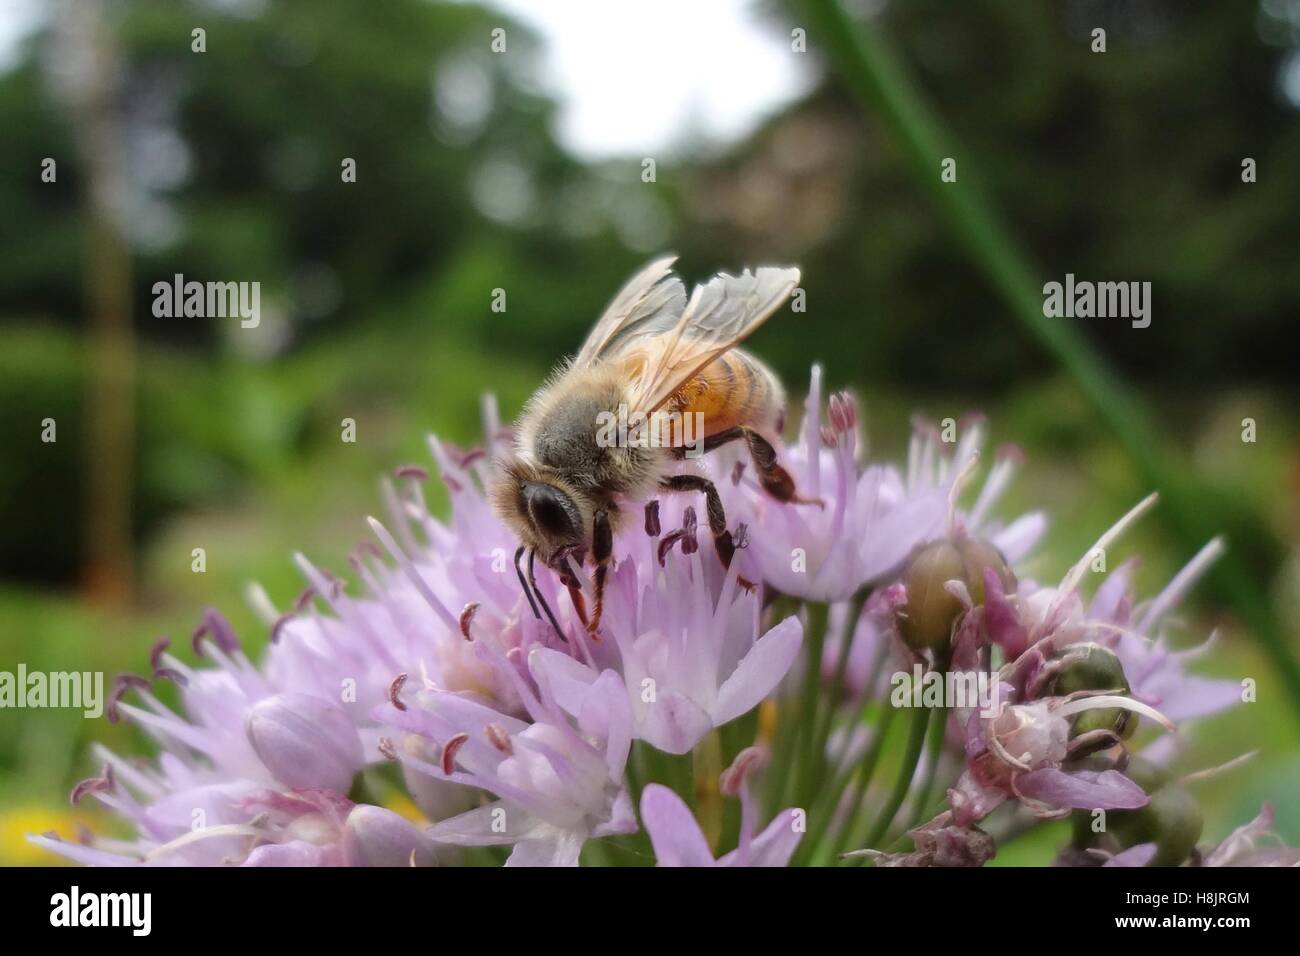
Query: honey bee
659, 361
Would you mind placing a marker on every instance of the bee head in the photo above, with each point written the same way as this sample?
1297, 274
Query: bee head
544, 511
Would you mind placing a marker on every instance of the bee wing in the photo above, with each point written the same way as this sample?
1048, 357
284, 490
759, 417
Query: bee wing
721, 314
649, 304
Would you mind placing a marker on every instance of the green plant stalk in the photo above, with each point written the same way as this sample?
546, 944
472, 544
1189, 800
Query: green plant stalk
868, 68
822, 812
783, 738
802, 754
906, 772
835, 841
815, 776
934, 747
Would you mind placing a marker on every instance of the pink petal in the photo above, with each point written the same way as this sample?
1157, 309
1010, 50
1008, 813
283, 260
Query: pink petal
1001, 618
676, 837
759, 672
1082, 789
774, 846
1139, 855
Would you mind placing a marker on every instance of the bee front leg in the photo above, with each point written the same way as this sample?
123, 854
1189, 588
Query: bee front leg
723, 543
602, 547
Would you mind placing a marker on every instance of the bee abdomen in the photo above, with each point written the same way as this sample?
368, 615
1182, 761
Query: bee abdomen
735, 389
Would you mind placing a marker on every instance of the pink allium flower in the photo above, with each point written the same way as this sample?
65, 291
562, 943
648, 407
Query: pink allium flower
559, 781
870, 519
510, 728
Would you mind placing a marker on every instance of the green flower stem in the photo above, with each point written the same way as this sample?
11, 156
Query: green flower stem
934, 749
803, 755
783, 739
915, 744
822, 814
866, 769
868, 68
812, 781
633, 774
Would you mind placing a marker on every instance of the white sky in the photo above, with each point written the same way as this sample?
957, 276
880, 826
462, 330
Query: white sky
633, 77
636, 77
18, 18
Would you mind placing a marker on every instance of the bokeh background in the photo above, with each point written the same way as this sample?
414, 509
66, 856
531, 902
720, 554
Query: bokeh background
523, 170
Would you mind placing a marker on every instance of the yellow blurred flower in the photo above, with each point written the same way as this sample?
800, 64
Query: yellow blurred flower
17, 822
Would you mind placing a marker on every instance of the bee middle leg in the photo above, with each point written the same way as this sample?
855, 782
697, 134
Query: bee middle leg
774, 479
723, 542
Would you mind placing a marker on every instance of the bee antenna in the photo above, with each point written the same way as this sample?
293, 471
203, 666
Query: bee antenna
523, 582
532, 579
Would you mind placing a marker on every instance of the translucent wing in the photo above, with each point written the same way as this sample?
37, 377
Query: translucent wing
721, 314
650, 304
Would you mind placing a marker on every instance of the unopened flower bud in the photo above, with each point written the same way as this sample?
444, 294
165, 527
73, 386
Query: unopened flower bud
1172, 821
926, 620
1096, 668
305, 742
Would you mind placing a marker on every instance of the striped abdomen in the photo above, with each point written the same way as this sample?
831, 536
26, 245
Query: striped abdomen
734, 389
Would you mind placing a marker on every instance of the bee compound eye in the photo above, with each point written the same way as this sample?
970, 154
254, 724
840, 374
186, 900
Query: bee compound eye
547, 506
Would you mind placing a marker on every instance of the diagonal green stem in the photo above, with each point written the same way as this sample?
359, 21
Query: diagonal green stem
868, 68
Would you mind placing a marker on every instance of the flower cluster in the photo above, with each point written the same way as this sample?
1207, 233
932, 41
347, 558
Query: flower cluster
419, 712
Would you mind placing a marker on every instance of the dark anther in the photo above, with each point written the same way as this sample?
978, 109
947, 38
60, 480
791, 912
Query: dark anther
411, 471
395, 690
279, 626
499, 738
215, 625
741, 539
652, 518
156, 652
122, 684
471, 456
449, 750
467, 617
171, 674
690, 543
666, 543
355, 559
102, 784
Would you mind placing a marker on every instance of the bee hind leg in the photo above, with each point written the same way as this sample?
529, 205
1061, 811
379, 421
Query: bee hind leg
776, 481
723, 542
